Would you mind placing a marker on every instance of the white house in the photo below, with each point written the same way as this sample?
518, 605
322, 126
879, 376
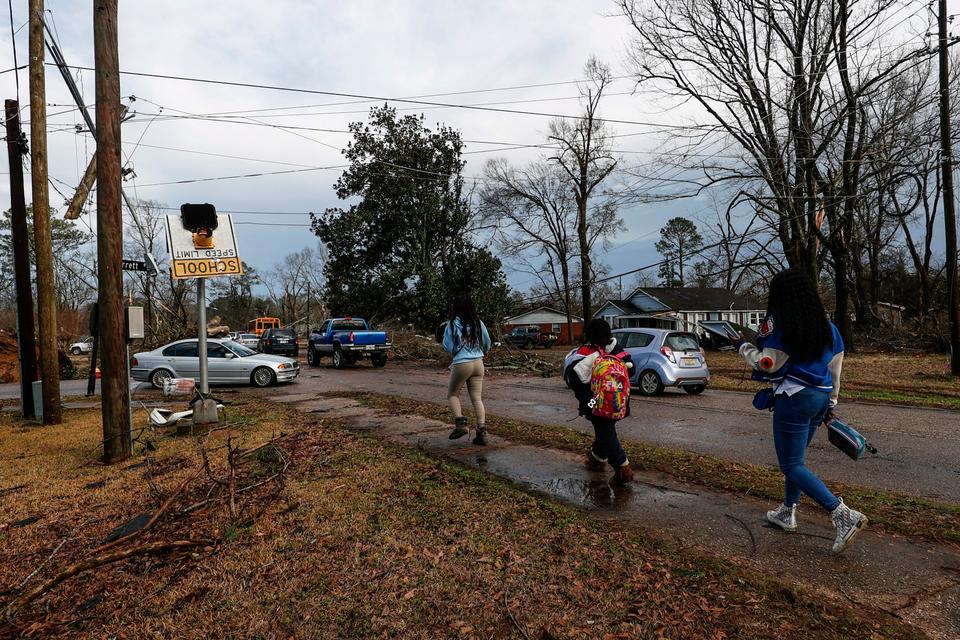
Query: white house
681, 308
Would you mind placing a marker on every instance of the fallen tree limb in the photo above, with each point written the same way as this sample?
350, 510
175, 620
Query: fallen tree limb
103, 559
156, 516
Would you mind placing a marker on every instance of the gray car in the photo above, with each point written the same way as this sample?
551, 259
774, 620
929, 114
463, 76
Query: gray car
228, 362
664, 358
249, 340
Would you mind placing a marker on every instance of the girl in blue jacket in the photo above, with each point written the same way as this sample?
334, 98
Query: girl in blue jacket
800, 353
467, 339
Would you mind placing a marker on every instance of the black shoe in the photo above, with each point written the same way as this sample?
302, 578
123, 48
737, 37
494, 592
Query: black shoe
481, 437
459, 428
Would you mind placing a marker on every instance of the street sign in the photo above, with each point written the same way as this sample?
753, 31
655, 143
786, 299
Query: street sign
133, 265
203, 257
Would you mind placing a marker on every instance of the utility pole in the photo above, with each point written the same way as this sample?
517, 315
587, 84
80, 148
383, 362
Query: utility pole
113, 381
949, 207
46, 301
21, 260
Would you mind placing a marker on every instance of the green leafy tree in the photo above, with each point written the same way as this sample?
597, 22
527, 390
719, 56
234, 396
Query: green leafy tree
679, 239
405, 247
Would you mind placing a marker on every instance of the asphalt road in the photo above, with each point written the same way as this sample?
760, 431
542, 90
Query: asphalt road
919, 449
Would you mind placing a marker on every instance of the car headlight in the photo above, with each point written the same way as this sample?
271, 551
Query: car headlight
284, 365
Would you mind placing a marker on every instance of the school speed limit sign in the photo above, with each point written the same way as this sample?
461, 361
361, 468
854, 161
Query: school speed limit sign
199, 255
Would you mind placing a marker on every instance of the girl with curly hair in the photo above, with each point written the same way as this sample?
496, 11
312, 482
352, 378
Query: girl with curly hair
800, 353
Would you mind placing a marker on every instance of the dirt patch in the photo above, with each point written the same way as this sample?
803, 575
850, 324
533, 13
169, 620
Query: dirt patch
10, 360
366, 539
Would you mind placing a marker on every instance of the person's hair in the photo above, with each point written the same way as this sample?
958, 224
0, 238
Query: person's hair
798, 313
469, 320
597, 333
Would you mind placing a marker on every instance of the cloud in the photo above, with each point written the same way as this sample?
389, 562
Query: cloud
398, 48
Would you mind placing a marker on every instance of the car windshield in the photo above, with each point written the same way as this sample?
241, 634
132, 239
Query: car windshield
238, 348
348, 325
683, 342
287, 333
248, 336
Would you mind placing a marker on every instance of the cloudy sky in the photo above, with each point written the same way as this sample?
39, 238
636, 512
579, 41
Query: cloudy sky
397, 48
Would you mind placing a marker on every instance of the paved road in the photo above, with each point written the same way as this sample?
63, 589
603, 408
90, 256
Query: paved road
919, 448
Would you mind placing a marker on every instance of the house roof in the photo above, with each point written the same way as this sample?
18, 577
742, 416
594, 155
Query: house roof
519, 317
701, 298
627, 307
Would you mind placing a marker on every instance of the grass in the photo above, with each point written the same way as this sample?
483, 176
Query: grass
921, 380
892, 512
369, 539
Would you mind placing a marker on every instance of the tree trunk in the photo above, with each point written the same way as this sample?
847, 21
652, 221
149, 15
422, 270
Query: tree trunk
565, 271
586, 264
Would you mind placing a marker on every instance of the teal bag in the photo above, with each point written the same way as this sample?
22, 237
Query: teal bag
848, 440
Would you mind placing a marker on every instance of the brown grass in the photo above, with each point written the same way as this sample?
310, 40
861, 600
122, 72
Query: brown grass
367, 540
893, 512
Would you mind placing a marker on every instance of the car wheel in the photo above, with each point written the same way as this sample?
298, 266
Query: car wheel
339, 361
158, 377
312, 359
650, 383
76, 351
378, 361
696, 389
262, 377
528, 344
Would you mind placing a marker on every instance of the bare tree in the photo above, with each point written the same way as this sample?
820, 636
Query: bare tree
293, 282
586, 159
780, 80
534, 216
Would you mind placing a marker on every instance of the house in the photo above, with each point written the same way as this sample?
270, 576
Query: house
549, 320
681, 308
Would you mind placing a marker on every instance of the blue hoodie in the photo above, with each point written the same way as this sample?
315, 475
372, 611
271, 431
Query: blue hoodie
462, 352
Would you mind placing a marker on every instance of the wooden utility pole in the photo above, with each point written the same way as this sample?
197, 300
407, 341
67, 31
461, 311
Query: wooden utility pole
43, 242
21, 260
949, 206
113, 381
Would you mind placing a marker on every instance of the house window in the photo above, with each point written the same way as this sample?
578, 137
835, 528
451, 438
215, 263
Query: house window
556, 328
754, 319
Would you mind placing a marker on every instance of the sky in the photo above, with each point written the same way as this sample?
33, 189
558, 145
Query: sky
400, 48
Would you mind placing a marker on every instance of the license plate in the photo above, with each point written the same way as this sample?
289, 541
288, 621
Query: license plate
688, 362
369, 348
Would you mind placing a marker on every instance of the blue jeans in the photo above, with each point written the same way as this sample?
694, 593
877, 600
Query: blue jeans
795, 421
606, 444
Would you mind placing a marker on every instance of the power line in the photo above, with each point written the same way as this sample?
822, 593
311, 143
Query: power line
252, 85
13, 43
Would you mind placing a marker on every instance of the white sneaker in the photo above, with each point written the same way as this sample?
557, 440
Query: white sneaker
784, 517
849, 523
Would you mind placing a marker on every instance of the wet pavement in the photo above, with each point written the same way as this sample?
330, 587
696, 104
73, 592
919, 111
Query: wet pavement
919, 448
915, 580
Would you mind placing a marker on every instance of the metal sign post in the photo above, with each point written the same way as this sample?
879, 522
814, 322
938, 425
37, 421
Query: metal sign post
202, 334
202, 245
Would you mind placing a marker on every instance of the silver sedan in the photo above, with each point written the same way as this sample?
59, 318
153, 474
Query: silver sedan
228, 362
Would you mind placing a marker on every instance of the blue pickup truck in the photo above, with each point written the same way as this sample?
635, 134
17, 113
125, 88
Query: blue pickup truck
347, 340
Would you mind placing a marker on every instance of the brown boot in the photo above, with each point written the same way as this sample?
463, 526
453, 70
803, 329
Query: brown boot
623, 474
592, 464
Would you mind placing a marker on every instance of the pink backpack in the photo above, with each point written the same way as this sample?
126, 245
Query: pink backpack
610, 386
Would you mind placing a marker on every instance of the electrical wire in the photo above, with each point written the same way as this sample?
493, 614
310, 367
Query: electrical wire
252, 85
13, 43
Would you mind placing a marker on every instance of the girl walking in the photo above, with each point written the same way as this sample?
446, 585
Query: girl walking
467, 339
800, 352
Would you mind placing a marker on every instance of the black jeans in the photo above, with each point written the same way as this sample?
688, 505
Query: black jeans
606, 444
